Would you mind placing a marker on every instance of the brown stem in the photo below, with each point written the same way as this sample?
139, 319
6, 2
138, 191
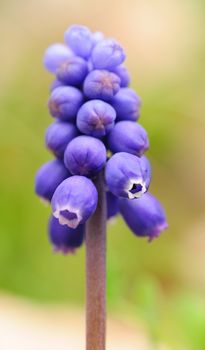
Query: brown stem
96, 273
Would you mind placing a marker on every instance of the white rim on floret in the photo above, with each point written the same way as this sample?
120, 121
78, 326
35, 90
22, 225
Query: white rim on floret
72, 223
138, 194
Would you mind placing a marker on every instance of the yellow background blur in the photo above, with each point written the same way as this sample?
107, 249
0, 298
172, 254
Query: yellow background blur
160, 285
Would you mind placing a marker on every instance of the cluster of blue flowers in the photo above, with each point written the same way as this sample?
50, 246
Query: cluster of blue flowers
95, 128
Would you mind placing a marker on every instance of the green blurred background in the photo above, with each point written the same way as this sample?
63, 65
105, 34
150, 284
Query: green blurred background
161, 284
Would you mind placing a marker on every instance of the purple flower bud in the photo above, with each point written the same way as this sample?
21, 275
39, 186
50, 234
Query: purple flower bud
73, 71
55, 84
101, 84
74, 201
48, 177
107, 54
97, 36
85, 155
55, 55
127, 175
80, 40
96, 118
145, 216
123, 74
58, 135
63, 238
127, 136
127, 104
112, 205
64, 102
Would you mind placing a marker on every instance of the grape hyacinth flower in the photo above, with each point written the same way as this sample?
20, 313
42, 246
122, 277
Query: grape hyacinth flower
85, 155
107, 54
58, 135
80, 40
145, 216
48, 177
101, 84
96, 118
128, 176
65, 102
55, 55
123, 74
100, 169
74, 201
127, 136
63, 238
127, 104
73, 71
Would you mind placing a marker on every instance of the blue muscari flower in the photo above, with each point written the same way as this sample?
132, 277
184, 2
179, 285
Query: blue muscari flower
48, 177
85, 155
145, 216
55, 55
95, 111
58, 135
112, 205
123, 74
127, 175
63, 238
65, 102
107, 54
74, 201
101, 84
80, 39
72, 71
96, 118
128, 136
127, 104
55, 84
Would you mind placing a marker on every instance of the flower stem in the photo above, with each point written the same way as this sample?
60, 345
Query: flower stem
96, 272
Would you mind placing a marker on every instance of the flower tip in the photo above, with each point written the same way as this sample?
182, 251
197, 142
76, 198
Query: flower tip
157, 232
64, 250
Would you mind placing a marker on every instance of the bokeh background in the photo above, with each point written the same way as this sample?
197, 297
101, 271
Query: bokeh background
160, 286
